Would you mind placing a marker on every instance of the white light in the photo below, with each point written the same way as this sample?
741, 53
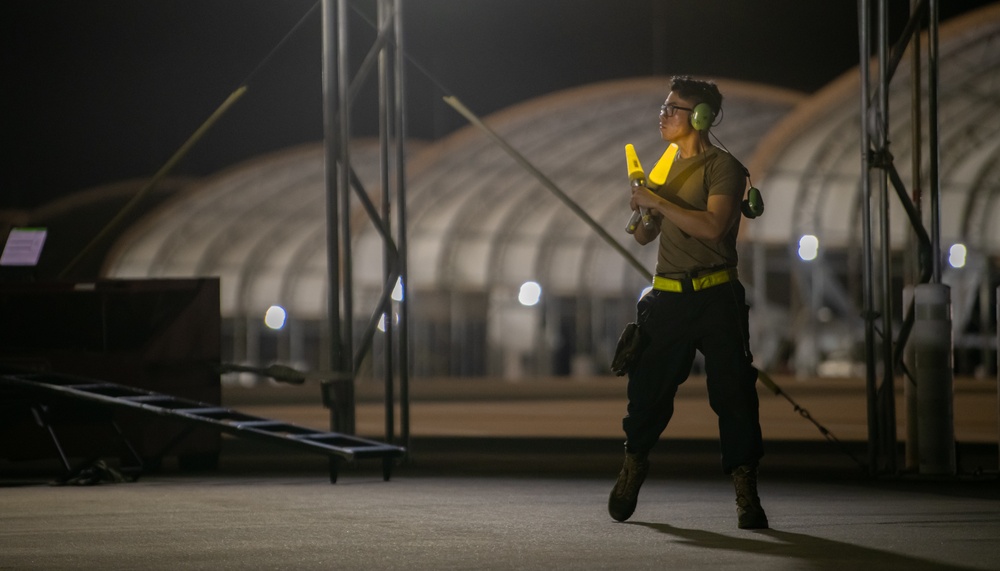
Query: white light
397, 292
381, 322
530, 293
956, 255
808, 247
645, 291
275, 317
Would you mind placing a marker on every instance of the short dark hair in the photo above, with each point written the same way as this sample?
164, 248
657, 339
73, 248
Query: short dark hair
697, 90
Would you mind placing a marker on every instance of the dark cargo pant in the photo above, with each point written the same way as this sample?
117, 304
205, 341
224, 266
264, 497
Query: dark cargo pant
715, 322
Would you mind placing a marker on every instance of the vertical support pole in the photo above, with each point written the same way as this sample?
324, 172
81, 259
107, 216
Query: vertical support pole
345, 422
331, 150
337, 135
932, 134
887, 392
875, 149
911, 453
334, 137
344, 186
932, 338
916, 114
864, 9
386, 119
402, 247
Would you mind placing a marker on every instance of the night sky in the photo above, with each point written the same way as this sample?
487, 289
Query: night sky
97, 91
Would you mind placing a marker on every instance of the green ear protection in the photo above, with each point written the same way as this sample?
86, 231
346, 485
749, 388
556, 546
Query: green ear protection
753, 204
702, 117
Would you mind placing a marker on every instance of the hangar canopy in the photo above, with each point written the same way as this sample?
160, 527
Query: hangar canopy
477, 221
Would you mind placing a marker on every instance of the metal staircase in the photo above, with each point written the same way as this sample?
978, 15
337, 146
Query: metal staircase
340, 448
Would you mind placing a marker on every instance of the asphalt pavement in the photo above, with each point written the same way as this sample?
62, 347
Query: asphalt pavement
527, 499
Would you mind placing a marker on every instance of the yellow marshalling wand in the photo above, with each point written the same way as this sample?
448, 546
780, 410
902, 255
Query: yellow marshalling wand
637, 177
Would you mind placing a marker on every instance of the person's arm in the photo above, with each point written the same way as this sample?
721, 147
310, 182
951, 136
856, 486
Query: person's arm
709, 224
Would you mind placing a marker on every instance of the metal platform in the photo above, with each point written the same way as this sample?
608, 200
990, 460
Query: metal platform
340, 448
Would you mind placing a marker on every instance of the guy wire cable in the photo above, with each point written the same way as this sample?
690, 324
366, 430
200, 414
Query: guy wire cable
770, 384
181, 152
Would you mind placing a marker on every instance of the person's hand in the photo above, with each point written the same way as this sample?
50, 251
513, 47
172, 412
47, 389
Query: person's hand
642, 197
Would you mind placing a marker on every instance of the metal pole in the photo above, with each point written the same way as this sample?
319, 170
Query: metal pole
385, 128
404, 354
331, 143
346, 400
932, 134
912, 456
887, 389
868, 289
335, 137
916, 113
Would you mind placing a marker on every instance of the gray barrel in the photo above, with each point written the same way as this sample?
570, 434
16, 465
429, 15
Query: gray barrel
933, 352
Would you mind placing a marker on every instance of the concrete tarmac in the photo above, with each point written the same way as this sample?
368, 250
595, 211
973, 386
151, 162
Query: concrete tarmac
534, 499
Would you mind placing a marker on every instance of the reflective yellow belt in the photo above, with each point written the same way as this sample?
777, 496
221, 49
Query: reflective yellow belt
694, 284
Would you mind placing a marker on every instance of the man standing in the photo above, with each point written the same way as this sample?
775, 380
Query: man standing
697, 303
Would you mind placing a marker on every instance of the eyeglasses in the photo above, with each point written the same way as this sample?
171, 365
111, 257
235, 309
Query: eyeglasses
669, 110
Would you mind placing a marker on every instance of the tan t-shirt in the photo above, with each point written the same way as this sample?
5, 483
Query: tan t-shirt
690, 182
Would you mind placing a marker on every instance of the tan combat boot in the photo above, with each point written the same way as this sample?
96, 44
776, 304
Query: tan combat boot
625, 494
751, 515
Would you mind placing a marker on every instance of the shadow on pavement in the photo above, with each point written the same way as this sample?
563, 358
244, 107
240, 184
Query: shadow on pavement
813, 553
